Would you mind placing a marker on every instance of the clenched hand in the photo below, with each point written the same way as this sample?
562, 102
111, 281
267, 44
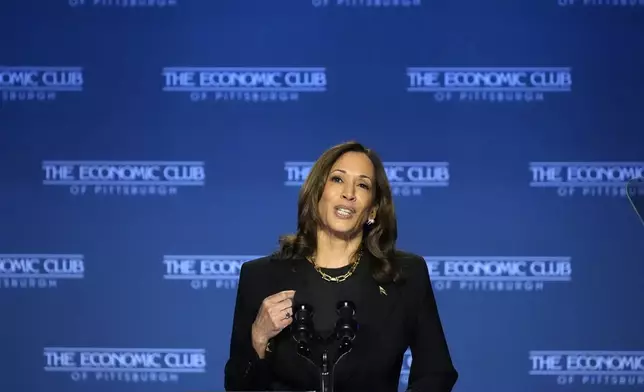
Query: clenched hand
273, 316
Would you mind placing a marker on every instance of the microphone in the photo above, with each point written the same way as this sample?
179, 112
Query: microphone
346, 327
302, 328
635, 194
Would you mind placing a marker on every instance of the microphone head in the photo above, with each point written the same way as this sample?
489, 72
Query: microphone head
346, 326
302, 312
302, 327
346, 309
635, 194
346, 304
301, 304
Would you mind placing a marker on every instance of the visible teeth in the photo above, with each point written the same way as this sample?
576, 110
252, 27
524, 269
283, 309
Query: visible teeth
344, 211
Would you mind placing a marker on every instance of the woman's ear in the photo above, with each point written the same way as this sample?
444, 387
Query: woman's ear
372, 214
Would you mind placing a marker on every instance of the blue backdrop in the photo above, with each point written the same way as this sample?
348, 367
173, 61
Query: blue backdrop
149, 147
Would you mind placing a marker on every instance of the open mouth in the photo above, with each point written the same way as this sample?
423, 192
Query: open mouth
344, 212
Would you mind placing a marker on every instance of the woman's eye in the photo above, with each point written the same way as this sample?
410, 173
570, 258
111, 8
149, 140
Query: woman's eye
339, 179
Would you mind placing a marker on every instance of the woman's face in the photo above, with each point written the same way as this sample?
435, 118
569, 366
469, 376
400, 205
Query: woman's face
347, 198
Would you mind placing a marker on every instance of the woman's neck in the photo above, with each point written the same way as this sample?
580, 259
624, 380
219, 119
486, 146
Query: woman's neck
334, 252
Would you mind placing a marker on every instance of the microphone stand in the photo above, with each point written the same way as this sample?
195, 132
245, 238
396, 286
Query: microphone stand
345, 331
325, 375
325, 367
306, 334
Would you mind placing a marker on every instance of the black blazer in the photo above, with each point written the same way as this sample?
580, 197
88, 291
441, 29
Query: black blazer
406, 316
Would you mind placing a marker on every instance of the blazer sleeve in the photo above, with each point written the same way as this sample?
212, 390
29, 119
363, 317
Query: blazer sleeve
244, 370
431, 367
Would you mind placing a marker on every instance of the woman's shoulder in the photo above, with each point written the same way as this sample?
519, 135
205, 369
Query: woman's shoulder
407, 257
412, 266
409, 260
261, 266
257, 276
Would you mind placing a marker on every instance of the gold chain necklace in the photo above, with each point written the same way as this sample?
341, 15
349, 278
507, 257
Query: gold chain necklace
336, 279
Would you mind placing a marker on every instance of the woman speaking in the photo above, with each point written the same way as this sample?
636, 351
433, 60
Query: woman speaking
337, 305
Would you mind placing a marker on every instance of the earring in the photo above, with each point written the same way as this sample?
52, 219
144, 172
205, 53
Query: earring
370, 221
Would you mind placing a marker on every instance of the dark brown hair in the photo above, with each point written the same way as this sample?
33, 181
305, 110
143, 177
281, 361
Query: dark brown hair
379, 238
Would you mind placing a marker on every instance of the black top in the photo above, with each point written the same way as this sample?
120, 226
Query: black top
324, 296
391, 318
